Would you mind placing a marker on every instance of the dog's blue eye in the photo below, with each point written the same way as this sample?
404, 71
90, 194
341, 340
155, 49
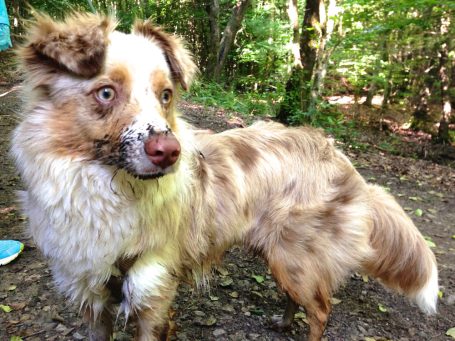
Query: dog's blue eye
105, 94
166, 96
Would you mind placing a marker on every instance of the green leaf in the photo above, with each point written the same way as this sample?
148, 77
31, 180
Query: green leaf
440, 294
429, 241
451, 332
5, 308
210, 321
418, 212
381, 308
453, 237
258, 278
415, 198
15, 338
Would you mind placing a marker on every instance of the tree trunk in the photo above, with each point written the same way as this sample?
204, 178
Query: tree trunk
298, 88
213, 10
443, 130
323, 54
293, 13
229, 34
422, 82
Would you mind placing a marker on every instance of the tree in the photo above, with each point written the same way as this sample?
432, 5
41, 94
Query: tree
229, 33
443, 130
298, 88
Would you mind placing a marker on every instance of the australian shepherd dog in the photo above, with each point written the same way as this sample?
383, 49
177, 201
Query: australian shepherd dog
124, 198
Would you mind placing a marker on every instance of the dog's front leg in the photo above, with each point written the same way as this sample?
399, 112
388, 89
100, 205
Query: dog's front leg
99, 327
148, 290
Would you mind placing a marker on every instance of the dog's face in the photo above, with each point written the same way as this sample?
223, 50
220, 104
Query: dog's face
106, 96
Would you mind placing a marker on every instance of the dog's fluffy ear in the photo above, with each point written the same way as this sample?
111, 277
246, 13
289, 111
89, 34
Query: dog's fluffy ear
77, 45
178, 57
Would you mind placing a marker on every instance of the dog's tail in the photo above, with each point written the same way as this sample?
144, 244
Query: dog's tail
402, 259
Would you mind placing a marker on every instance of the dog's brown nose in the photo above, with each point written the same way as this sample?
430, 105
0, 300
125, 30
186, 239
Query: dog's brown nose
162, 150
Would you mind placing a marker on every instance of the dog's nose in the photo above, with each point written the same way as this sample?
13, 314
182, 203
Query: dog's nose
162, 150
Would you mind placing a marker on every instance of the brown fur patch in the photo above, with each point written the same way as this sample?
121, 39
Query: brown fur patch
178, 58
77, 45
244, 153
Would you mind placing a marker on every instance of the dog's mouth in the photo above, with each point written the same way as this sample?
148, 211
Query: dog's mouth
149, 176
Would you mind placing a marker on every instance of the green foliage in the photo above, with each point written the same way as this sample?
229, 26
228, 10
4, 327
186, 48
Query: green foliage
263, 57
390, 45
215, 95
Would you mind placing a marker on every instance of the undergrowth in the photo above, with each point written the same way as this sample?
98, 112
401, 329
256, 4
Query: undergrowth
247, 104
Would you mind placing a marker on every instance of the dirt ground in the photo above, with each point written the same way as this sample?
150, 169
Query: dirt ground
243, 297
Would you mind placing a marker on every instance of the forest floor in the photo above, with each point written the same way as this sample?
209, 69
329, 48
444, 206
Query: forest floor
243, 297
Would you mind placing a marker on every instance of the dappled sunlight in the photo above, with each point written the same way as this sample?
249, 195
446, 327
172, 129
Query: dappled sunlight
350, 99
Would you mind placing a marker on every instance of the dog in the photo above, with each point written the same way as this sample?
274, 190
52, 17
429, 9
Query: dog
124, 198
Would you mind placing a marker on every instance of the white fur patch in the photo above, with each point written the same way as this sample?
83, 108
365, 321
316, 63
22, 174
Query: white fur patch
143, 281
427, 297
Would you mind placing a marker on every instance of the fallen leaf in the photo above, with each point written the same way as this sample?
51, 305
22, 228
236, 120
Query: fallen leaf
5, 308
365, 278
227, 281
440, 294
214, 298
15, 338
335, 301
451, 332
210, 321
429, 241
257, 293
418, 212
258, 278
18, 306
222, 271
302, 316
381, 308
12, 287
415, 198
234, 294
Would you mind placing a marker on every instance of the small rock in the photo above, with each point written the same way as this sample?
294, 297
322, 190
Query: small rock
78, 336
451, 300
362, 330
218, 332
253, 336
199, 313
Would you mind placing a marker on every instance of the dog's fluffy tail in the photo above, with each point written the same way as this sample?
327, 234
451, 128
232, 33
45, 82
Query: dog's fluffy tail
402, 259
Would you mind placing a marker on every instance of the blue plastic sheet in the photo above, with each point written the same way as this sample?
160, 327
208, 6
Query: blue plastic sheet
5, 39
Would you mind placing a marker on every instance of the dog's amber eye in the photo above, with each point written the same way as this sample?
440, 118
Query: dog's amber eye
166, 96
106, 94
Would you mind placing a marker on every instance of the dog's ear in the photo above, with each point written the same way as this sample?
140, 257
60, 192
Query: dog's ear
77, 44
178, 57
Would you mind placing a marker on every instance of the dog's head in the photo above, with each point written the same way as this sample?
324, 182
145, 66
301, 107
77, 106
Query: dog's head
105, 96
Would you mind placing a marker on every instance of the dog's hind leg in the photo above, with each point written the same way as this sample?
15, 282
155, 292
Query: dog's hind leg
286, 320
305, 289
310, 252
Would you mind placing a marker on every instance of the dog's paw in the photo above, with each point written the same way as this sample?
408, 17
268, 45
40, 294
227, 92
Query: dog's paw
279, 323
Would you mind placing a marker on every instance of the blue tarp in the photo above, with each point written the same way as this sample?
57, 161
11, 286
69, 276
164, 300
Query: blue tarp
5, 40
